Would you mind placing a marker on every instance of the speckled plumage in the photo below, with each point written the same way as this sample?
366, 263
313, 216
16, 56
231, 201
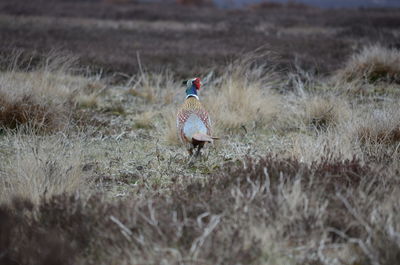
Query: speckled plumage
192, 106
192, 120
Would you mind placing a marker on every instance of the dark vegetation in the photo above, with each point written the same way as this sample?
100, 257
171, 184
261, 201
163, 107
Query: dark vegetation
26, 111
101, 34
203, 218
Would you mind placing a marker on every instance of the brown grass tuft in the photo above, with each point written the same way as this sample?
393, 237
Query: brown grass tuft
34, 167
43, 97
373, 64
381, 126
145, 120
33, 99
170, 131
243, 95
27, 111
87, 101
322, 113
317, 112
153, 88
378, 133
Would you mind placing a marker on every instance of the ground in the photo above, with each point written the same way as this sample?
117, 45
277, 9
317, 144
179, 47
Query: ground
109, 36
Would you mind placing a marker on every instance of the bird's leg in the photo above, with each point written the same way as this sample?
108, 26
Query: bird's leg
198, 150
190, 150
190, 158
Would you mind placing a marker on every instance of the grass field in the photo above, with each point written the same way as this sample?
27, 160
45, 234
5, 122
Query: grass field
306, 170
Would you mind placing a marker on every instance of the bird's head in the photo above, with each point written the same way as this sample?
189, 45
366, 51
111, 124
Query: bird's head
192, 85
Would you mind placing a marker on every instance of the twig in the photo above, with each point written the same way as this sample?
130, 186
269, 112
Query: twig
139, 63
126, 232
357, 241
198, 243
354, 213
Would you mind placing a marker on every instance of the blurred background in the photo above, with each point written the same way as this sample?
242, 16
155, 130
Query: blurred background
192, 37
319, 3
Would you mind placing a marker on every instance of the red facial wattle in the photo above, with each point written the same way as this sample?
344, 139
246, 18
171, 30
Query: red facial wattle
196, 83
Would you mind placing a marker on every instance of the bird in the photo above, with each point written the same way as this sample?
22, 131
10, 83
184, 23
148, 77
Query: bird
193, 121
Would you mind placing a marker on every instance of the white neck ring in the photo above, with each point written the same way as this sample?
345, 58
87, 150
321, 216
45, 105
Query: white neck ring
192, 95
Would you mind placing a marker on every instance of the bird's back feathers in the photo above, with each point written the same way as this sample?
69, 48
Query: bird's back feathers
192, 118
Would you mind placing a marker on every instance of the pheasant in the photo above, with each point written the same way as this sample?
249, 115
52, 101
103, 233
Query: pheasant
192, 121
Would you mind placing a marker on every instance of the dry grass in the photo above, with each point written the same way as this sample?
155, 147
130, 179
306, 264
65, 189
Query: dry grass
170, 131
43, 98
87, 101
32, 98
307, 176
378, 133
373, 64
380, 126
89, 94
153, 88
145, 120
160, 93
35, 167
313, 112
335, 145
243, 96
370, 133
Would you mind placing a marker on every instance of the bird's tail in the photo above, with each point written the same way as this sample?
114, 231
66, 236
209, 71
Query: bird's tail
201, 137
